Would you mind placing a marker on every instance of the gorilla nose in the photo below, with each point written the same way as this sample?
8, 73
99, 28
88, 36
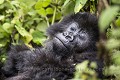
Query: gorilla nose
69, 38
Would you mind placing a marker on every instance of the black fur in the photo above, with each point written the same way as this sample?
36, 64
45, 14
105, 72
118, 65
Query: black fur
54, 61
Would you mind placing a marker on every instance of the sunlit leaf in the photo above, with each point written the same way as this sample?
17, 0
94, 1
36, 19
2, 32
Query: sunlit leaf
38, 5
42, 12
49, 10
1, 1
24, 33
118, 22
79, 4
107, 16
66, 2
46, 3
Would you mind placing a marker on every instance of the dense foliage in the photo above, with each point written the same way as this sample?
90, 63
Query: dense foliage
24, 21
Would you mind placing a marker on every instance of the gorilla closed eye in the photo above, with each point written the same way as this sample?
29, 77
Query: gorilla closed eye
73, 29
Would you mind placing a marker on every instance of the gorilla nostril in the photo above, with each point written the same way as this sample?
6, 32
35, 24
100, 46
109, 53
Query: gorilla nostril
70, 33
65, 33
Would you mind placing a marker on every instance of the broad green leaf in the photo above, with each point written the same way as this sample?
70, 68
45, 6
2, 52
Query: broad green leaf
1, 1
42, 12
38, 37
42, 26
38, 5
69, 8
107, 16
79, 4
24, 33
49, 10
66, 2
7, 27
16, 36
46, 3
42, 3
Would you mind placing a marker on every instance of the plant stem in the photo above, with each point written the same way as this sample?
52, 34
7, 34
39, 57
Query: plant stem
47, 22
53, 19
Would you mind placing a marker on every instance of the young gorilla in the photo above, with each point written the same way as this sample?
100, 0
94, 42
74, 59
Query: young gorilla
71, 41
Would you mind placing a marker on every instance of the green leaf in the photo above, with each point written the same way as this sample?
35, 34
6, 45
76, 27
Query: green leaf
42, 26
58, 16
66, 2
107, 16
3, 42
46, 3
49, 10
79, 4
42, 12
42, 3
118, 22
69, 8
38, 37
38, 5
24, 33
7, 27
1, 1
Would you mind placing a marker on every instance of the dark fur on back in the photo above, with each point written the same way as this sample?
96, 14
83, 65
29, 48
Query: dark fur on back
53, 61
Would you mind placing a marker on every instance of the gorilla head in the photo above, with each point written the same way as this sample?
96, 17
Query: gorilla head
75, 33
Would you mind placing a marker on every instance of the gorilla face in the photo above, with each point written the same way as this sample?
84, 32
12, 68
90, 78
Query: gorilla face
72, 38
75, 33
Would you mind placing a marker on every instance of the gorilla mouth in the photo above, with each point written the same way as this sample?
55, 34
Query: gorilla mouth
61, 42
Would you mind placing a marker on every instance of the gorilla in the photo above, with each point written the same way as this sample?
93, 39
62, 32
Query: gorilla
71, 41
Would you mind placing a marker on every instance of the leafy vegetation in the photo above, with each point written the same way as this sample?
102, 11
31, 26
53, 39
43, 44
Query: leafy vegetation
26, 21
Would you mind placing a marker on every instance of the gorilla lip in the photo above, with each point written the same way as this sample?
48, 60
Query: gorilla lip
61, 42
